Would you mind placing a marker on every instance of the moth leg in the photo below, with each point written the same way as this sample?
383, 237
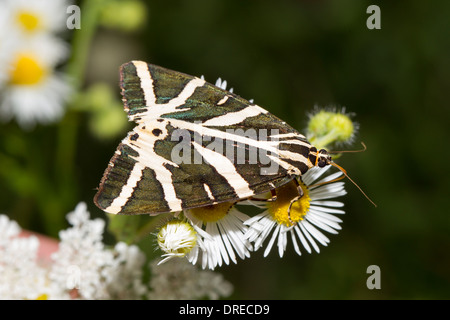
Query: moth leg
300, 195
273, 193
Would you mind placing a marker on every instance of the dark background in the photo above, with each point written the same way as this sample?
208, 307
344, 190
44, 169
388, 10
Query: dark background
290, 56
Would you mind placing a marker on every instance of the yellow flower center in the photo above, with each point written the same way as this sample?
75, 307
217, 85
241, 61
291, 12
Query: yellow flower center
212, 213
28, 20
27, 71
279, 208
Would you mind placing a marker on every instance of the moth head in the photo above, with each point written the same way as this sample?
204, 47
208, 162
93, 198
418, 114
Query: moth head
323, 158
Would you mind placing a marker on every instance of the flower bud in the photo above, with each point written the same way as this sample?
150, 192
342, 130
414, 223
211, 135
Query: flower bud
127, 15
176, 238
328, 127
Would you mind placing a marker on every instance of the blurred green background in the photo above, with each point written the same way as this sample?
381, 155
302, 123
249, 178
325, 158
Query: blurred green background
288, 56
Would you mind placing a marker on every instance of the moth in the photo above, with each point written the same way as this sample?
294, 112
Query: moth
196, 144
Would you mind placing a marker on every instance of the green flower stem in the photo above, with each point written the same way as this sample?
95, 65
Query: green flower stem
68, 127
151, 226
321, 142
82, 39
134, 228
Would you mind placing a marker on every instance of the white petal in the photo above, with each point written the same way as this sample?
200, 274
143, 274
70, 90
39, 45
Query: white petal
324, 226
224, 243
330, 177
236, 236
324, 214
302, 238
326, 210
212, 229
336, 204
305, 232
272, 240
313, 174
294, 242
282, 242
319, 236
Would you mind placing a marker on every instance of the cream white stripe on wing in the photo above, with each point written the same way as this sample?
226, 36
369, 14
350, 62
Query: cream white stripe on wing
146, 82
224, 135
284, 154
223, 100
144, 146
274, 153
287, 135
226, 169
155, 110
235, 117
187, 91
127, 189
297, 141
265, 145
150, 159
278, 142
208, 191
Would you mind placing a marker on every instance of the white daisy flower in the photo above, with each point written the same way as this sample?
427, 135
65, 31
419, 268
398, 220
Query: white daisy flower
36, 16
7, 45
309, 215
33, 91
220, 230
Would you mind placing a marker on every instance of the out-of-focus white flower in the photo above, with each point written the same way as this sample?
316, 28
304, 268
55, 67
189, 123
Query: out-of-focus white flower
178, 279
7, 41
85, 264
125, 275
81, 260
33, 92
8, 230
36, 16
83, 267
20, 275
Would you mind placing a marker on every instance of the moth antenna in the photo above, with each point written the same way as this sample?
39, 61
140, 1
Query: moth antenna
345, 173
351, 151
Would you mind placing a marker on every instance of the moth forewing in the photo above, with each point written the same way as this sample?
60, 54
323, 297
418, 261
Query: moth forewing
221, 133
